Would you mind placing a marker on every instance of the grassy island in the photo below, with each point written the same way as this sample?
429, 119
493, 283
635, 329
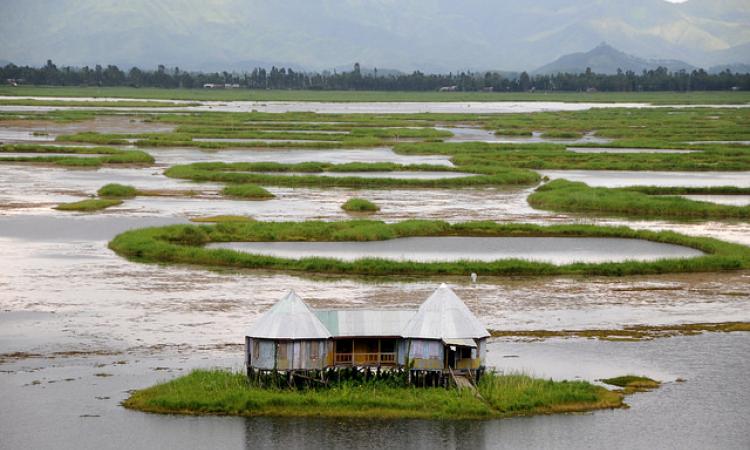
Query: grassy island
226, 393
633, 383
92, 204
312, 174
83, 157
247, 192
568, 196
360, 205
183, 244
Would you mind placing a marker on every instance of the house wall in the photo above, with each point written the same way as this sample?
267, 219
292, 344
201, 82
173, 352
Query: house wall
426, 354
261, 353
302, 355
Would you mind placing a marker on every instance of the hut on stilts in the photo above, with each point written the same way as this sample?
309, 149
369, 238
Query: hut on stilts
433, 345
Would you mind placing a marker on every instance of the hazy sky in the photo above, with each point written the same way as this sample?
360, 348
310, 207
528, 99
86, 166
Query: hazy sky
429, 35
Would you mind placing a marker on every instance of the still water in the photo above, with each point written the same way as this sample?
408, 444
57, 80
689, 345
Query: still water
621, 178
706, 411
558, 250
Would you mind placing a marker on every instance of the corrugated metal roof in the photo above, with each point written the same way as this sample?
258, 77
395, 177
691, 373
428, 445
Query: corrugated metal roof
289, 318
362, 323
460, 342
444, 316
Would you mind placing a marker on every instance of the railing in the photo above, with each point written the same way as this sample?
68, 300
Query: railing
365, 359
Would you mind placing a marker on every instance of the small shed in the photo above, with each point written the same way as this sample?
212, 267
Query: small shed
444, 334
288, 337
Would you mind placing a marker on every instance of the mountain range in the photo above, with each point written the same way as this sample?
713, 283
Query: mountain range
429, 35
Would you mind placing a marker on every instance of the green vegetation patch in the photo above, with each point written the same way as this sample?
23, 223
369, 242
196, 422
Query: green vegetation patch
247, 192
633, 383
310, 174
181, 244
567, 196
227, 393
93, 204
556, 156
117, 190
360, 205
693, 97
71, 156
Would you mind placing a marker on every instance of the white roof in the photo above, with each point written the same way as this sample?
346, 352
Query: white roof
289, 318
362, 323
444, 316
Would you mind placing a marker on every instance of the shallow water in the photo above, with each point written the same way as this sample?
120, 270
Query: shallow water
172, 156
555, 250
621, 178
472, 134
10, 134
400, 175
706, 411
733, 200
627, 150
241, 140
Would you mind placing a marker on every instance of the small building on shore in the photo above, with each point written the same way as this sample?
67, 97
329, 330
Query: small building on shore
442, 336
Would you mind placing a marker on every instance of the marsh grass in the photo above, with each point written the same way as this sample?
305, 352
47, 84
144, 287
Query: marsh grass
567, 196
247, 192
93, 204
108, 155
693, 97
360, 205
228, 393
117, 191
275, 174
633, 383
162, 245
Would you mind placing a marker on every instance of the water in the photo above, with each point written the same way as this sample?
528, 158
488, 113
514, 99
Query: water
627, 150
733, 200
621, 178
555, 250
472, 134
399, 175
707, 411
242, 140
173, 156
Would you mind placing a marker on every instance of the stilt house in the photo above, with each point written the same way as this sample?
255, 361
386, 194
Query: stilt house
441, 336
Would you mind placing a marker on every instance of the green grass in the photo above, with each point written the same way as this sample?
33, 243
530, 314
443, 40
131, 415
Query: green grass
247, 192
562, 134
712, 97
360, 205
557, 157
94, 204
567, 196
117, 190
181, 244
226, 393
633, 383
275, 174
108, 155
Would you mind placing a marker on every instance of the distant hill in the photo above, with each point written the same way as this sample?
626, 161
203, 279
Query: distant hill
607, 59
429, 35
734, 68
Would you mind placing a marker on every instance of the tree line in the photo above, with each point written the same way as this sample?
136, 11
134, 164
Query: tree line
659, 79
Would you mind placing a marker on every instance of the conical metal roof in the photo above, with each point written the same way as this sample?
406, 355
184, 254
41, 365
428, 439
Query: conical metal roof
289, 318
444, 316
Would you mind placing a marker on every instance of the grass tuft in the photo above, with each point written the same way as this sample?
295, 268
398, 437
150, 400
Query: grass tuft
360, 205
93, 204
